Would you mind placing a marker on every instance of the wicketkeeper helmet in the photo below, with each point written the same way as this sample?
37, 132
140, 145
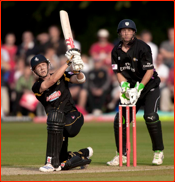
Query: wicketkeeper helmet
126, 23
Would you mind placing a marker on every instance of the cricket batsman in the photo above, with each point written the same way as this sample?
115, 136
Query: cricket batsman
63, 119
132, 63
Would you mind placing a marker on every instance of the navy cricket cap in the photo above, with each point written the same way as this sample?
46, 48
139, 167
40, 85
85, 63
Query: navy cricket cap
37, 60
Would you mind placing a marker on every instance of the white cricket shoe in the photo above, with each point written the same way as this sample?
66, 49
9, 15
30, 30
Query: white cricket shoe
115, 160
49, 168
90, 152
158, 157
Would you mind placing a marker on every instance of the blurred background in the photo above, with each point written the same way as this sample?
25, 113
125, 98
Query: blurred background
30, 28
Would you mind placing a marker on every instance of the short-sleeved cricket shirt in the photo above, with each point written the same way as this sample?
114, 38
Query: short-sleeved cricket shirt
57, 95
134, 63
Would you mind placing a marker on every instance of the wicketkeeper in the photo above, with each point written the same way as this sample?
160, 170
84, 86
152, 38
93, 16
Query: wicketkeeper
132, 63
63, 119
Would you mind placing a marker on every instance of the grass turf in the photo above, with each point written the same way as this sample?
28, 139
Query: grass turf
24, 145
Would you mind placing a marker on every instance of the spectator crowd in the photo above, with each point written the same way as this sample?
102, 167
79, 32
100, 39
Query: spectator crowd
101, 91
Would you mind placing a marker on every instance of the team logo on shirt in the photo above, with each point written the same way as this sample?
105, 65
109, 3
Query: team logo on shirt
148, 65
114, 66
73, 117
135, 59
55, 95
70, 73
127, 67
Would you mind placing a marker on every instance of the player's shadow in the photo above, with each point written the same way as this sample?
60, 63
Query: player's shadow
31, 168
99, 163
131, 164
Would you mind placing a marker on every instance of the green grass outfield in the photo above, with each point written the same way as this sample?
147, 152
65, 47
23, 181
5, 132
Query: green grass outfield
23, 148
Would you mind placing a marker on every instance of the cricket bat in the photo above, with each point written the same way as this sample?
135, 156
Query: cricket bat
65, 24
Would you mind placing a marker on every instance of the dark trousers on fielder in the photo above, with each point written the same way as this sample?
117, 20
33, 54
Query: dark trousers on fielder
150, 101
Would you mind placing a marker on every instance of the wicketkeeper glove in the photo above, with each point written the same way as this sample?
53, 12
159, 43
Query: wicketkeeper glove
125, 86
71, 53
135, 92
124, 99
139, 87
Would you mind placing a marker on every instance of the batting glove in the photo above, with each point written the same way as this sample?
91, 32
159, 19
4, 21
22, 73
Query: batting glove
77, 64
71, 53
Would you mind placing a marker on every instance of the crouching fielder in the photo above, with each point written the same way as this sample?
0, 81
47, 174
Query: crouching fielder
63, 119
132, 64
